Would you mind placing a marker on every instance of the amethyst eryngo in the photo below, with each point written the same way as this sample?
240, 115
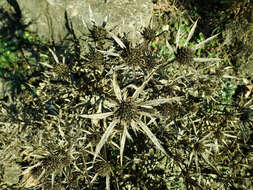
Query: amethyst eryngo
127, 112
184, 54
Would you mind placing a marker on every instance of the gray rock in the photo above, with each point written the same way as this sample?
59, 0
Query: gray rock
49, 21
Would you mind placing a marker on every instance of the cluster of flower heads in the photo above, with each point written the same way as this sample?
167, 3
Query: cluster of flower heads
126, 117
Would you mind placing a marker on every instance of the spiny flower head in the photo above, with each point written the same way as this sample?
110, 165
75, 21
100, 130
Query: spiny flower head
98, 33
127, 113
148, 34
184, 54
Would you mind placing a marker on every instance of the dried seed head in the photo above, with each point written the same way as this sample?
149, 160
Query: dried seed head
184, 55
126, 111
56, 161
148, 34
134, 57
98, 33
61, 70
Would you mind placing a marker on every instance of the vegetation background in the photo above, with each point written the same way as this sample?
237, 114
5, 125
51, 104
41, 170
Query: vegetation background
65, 114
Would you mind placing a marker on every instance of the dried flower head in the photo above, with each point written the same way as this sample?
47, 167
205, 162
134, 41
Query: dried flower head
148, 34
127, 112
184, 54
133, 56
200, 150
98, 33
62, 70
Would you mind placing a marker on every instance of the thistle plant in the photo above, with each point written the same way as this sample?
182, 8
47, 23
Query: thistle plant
86, 123
127, 111
199, 149
185, 54
103, 168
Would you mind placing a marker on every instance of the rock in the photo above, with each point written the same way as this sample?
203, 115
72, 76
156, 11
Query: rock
48, 16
